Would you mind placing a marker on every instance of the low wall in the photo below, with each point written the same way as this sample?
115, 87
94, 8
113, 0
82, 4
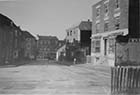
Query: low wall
128, 53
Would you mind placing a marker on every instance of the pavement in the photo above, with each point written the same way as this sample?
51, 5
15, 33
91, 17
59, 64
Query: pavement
49, 78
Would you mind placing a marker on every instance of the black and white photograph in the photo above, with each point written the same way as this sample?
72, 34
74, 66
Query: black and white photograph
69, 47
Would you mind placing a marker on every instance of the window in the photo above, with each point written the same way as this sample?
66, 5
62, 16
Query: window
98, 12
70, 33
106, 26
97, 27
96, 46
117, 22
28, 46
41, 42
67, 33
106, 10
16, 33
74, 32
111, 46
117, 4
16, 43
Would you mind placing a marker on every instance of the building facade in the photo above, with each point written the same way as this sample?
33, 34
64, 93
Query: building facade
78, 42
81, 34
47, 47
10, 41
30, 49
110, 19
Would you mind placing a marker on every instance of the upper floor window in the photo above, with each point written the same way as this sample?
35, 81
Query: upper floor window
97, 11
106, 8
117, 4
70, 33
97, 27
16, 33
67, 33
117, 22
106, 26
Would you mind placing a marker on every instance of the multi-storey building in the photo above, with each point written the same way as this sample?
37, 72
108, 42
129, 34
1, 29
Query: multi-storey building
110, 19
80, 33
30, 49
78, 42
47, 47
10, 40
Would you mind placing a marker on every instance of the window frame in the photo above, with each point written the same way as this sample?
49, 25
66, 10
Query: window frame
98, 11
96, 46
117, 4
111, 49
106, 28
117, 22
97, 27
106, 8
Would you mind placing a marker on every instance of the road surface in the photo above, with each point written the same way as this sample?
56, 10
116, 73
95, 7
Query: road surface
48, 78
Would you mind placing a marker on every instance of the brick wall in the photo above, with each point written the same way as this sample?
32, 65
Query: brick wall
112, 11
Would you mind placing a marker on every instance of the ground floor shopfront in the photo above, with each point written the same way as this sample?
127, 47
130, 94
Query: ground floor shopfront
103, 47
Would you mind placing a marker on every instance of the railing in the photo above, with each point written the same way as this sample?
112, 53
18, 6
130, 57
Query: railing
125, 80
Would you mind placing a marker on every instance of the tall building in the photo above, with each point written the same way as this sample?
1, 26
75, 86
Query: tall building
110, 19
10, 41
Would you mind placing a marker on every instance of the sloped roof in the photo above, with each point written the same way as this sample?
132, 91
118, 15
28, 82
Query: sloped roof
47, 37
83, 25
27, 34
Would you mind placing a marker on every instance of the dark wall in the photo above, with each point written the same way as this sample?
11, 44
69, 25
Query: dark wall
86, 41
134, 18
85, 38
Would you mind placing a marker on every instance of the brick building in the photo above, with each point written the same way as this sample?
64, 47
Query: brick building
110, 19
47, 47
10, 40
30, 49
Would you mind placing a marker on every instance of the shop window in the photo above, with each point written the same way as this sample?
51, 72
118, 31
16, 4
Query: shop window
96, 46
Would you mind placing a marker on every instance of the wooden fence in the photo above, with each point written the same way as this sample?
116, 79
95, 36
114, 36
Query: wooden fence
125, 80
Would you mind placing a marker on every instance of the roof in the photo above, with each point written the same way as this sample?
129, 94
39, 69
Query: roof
4, 20
47, 37
27, 34
83, 25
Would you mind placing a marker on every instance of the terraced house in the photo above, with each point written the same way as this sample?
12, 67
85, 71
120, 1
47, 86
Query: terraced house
110, 19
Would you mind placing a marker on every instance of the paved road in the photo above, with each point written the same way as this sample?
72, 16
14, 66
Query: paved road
52, 79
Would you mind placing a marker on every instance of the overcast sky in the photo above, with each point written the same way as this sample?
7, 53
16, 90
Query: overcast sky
47, 17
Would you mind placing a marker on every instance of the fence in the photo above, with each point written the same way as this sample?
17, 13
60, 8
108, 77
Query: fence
125, 80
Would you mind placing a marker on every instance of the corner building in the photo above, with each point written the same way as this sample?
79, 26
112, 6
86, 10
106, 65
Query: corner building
110, 19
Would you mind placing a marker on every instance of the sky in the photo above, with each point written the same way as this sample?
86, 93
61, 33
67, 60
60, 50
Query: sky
47, 17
